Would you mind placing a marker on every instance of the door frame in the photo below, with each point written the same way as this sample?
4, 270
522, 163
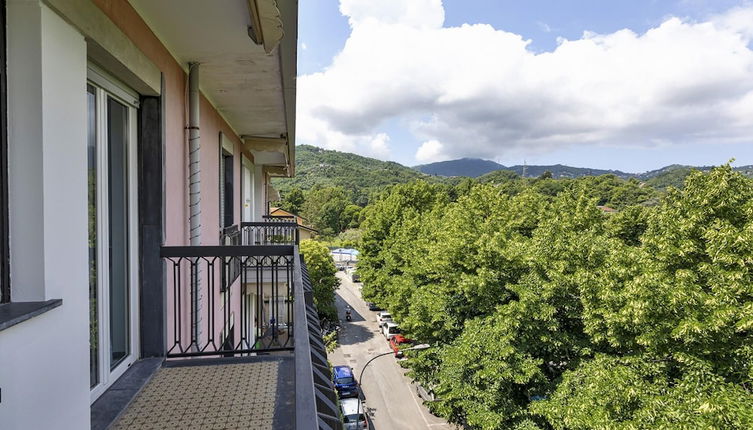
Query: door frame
247, 213
107, 86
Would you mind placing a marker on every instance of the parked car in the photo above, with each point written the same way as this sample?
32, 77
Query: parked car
424, 394
345, 382
390, 329
396, 342
354, 416
373, 306
382, 317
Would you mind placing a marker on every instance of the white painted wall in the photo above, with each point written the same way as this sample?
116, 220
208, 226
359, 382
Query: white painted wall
25, 164
44, 362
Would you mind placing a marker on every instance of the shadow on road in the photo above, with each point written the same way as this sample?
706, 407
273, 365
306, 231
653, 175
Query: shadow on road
355, 316
352, 334
353, 331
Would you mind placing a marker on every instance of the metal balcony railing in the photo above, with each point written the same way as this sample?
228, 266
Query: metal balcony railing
278, 218
229, 300
230, 235
270, 233
268, 308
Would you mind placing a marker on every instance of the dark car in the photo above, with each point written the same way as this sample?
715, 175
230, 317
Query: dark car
345, 382
373, 306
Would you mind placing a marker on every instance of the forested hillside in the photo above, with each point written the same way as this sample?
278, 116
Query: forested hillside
469, 167
362, 176
674, 175
331, 188
474, 167
333, 210
545, 312
316, 167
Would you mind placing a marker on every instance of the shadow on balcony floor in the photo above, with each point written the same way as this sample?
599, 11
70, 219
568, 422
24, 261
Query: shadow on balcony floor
228, 393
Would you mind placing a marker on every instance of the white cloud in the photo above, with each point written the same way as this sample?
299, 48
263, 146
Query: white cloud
430, 151
413, 13
486, 94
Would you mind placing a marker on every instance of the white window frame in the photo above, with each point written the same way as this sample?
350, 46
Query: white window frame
247, 189
107, 86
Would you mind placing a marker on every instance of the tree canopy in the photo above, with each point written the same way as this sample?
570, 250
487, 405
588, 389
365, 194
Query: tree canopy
322, 272
547, 313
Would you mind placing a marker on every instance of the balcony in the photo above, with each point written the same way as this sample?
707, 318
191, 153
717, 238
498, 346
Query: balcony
243, 342
270, 232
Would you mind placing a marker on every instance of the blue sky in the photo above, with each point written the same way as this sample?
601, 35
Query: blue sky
515, 125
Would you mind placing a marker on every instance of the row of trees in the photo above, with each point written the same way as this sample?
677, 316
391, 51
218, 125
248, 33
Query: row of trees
321, 270
333, 210
329, 209
547, 313
608, 190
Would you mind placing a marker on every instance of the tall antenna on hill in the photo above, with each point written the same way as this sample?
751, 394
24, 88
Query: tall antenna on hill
525, 165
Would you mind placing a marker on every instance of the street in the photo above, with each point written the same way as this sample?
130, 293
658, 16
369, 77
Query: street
391, 399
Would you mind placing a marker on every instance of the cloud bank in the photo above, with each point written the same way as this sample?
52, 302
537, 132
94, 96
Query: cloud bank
478, 91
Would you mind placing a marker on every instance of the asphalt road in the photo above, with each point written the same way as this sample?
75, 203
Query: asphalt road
391, 400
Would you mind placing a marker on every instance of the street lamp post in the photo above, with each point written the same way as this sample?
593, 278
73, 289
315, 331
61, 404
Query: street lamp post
360, 376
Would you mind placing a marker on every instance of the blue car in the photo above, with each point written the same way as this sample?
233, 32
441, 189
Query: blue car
345, 382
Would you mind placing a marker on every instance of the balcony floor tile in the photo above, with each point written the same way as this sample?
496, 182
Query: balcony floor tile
248, 393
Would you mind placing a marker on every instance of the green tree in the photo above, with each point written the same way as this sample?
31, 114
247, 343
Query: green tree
322, 272
351, 216
293, 201
545, 312
325, 208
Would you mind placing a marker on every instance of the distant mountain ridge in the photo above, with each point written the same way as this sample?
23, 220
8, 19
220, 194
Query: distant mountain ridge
317, 167
470, 167
476, 167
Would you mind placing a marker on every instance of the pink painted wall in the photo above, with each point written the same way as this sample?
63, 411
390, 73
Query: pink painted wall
176, 154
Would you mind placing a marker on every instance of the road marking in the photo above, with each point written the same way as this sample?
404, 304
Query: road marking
420, 412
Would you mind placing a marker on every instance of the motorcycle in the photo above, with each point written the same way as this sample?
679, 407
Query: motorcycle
347, 316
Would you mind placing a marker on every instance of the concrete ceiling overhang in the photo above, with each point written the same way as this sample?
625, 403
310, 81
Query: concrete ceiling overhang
253, 90
271, 152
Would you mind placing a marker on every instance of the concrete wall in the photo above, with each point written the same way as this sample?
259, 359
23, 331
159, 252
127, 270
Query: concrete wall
44, 362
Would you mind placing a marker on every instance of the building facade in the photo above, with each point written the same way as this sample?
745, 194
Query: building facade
131, 129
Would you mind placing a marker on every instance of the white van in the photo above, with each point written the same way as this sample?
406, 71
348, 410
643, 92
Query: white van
349, 408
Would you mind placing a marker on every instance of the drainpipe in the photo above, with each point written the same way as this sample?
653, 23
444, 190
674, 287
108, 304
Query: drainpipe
194, 144
194, 187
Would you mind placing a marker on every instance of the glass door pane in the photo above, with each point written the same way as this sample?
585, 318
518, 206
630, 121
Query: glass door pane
91, 145
117, 145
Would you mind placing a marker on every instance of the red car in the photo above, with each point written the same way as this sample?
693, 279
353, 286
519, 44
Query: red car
396, 341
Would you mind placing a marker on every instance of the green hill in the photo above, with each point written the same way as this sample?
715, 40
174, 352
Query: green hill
316, 167
675, 174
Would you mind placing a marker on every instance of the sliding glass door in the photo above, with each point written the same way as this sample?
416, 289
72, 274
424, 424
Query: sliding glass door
112, 222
